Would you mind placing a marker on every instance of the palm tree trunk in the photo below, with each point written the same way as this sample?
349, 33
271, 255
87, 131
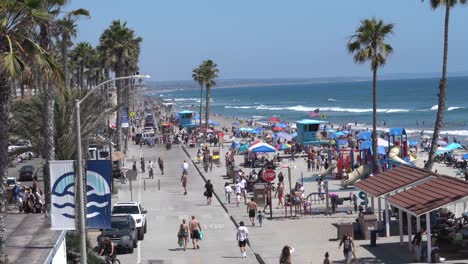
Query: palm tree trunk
201, 103
207, 115
66, 70
375, 153
442, 94
4, 136
49, 136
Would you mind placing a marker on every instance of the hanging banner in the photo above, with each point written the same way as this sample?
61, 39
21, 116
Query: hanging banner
124, 117
99, 177
62, 182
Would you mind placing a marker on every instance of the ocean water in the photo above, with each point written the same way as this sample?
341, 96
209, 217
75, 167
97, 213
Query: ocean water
411, 104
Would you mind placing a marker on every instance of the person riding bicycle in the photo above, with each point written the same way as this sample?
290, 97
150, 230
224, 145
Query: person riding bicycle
108, 249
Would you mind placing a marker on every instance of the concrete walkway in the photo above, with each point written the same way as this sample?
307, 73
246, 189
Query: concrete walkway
167, 206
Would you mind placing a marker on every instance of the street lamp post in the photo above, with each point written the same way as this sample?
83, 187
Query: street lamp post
79, 172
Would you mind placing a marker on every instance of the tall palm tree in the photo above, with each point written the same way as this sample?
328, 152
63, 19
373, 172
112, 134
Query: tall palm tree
209, 72
81, 56
443, 81
368, 44
198, 77
19, 53
121, 45
67, 31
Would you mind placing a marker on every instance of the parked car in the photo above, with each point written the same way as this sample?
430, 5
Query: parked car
136, 211
123, 233
11, 182
26, 173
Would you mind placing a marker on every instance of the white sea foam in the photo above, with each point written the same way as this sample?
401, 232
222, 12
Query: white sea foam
434, 107
186, 99
301, 108
455, 108
331, 99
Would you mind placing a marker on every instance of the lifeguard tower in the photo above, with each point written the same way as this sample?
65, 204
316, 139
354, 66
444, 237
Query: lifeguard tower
307, 130
185, 119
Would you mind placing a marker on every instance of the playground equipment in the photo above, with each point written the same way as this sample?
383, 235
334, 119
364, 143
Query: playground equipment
357, 174
394, 155
328, 171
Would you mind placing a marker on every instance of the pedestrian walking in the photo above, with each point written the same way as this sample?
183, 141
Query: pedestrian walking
183, 180
326, 260
285, 257
161, 165
208, 191
268, 197
242, 237
227, 192
185, 167
151, 173
251, 210
142, 163
182, 235
238, 193
348, 247
195, 229
242, 184
280, 194
417, 239
134, 167
260, 217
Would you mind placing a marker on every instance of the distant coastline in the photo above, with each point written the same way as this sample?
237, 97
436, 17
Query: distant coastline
171, 86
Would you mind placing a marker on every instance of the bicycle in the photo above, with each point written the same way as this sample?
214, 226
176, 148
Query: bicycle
109, 260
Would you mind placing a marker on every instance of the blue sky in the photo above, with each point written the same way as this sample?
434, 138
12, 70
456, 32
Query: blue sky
276, 38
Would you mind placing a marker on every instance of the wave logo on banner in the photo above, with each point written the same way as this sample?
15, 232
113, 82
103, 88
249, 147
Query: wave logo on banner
62, 177
99, 173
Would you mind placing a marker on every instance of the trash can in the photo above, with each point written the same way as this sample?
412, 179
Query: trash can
373, 238
343, 228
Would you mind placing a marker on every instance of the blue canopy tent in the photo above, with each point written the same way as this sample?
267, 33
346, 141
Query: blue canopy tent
235, 145
399, 131
465, 157
364, 135
368, 145
281, 125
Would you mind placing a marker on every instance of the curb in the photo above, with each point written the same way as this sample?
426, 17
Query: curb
257, 256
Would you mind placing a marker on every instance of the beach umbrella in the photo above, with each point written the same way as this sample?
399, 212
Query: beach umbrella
243, 147
255, 131
342, 142
413, 143
465, 156
255, 143
283, 146
235, 124
262, 147
214, 123
274, 119
425, 137
277, 128
441, 143
281, 125
345, 131
260, 128
235, 145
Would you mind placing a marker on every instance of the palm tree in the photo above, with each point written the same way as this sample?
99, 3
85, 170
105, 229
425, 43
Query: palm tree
26, 121
368, 44
197, 76
19, 54
443, 81
67, 30
82, 56
121, 45
209, 72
